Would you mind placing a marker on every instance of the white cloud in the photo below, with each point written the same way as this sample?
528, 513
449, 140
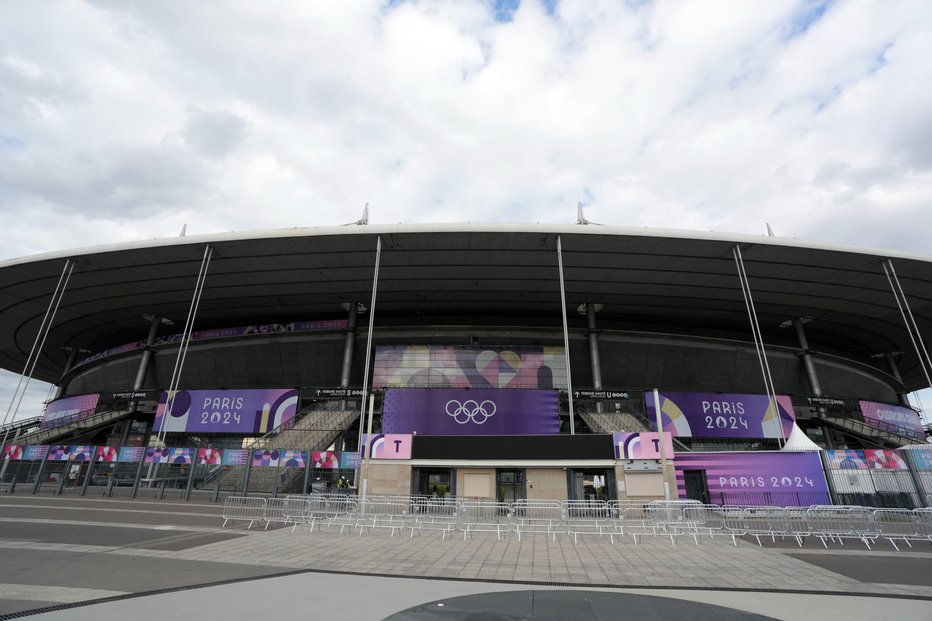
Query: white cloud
125, 120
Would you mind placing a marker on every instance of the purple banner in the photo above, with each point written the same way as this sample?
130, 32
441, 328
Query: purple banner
489, 412
715, 415
784, 476
905, 418
68, 410
228, 411
469, 367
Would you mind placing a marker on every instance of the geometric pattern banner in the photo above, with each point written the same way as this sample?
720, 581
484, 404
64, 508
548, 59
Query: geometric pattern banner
440, 366
13, 451
180, 456
107, 453
209, 456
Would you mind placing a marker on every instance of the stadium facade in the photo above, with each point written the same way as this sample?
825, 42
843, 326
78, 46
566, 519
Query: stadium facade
501, 361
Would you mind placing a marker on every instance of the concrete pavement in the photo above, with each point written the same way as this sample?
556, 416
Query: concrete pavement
60, 550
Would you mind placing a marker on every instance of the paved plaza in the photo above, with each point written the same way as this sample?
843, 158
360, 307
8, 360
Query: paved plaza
58, 551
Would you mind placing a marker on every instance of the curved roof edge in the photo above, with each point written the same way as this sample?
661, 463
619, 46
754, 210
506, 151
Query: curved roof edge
384, 229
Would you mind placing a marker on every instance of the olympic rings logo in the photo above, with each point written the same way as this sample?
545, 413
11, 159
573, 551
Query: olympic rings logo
470, 410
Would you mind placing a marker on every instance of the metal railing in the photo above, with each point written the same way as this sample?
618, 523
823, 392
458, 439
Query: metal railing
661, 519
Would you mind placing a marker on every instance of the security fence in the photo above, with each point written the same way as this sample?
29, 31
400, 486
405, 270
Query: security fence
666, 520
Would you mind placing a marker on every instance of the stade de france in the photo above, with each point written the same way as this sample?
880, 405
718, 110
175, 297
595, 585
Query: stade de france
500, 362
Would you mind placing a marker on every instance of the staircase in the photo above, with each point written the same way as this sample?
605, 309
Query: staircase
9, 431
45, 436
315, 431
608, 422
891, 434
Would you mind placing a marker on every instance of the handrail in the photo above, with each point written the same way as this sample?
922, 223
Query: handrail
890, 428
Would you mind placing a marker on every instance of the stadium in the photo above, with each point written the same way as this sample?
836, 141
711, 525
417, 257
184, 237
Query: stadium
491, 361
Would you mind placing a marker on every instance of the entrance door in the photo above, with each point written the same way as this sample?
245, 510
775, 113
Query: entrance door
509, 485
591, 484
697, 486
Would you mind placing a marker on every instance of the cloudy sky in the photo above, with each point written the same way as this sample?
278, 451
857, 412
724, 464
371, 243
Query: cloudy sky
126, 120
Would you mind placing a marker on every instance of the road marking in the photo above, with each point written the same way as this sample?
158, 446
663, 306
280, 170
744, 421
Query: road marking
205, 515
59, 594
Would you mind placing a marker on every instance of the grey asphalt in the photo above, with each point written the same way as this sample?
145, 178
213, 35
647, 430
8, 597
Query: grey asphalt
147, 556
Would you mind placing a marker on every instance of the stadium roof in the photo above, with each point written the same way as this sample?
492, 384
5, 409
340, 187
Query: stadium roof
651, 280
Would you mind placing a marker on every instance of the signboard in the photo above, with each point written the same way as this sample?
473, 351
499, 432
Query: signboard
601, 395
906, 418
131, 454
35, 452
106, 454
717, 415
922, 457
60, 452
182, 456
390, 446
209, 456
228, 411
826, 402
469, 367
782, 473
131, 395
325, 459
867, 459
350, 460
642, 445
272, 458
68, 410
335, 393
446, 412
235, 457
13, 451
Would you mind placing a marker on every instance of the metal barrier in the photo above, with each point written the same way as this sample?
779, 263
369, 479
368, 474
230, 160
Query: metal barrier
391, 515
538, 516
590, 517
485, 516
243, 509
842, 522
582, 518
435, 514
902, 524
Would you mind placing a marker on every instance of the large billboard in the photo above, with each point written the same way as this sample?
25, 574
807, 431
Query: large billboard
791, 478
228, 411
469, 367
717, 415
884, 413
445, 412
67, 410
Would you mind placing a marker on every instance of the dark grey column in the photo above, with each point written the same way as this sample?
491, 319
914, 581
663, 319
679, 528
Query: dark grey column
895, 371
348, 344
594, 360
147, 354
807, 358
72, 358
566, 337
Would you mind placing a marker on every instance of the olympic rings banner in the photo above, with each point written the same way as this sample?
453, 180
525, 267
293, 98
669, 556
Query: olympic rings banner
714, 415
489, 412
